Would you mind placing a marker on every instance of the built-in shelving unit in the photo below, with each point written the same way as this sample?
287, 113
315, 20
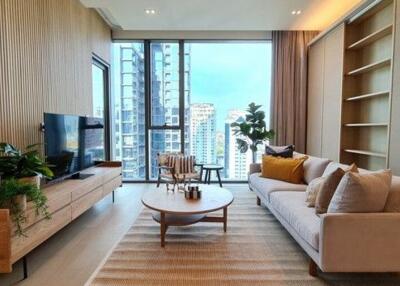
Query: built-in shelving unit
366, 153
366, 92
370, 67
371, 38
368, 95
366, 124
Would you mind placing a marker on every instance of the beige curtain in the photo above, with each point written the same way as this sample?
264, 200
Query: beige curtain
289, 87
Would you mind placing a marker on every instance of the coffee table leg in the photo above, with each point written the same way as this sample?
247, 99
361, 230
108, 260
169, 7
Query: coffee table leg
225, 218
162, 228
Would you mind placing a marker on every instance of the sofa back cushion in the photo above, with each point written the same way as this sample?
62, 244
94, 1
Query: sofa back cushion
284, 169
314, 167
328, 188
393, 199
332, 166
361, 193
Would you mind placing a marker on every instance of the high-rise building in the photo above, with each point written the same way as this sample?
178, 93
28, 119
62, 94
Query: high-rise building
203, 132
236, 163
129, 109
129, 101
220, 147
165, 100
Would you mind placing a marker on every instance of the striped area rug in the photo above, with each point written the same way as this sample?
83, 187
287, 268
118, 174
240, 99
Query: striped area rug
256, 250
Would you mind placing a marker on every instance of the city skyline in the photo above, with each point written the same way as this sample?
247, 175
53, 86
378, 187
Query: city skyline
207, 118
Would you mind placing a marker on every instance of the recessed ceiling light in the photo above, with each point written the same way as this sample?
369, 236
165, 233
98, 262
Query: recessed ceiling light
296, 12
150, 11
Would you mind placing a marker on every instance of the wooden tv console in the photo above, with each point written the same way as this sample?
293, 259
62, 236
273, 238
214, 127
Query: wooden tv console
67, 200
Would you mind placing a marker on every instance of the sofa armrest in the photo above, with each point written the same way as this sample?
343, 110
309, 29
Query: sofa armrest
362, 242
5, 241
254, 168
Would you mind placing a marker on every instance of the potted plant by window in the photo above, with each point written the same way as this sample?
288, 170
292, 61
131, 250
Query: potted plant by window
252, 131
26, 166
14, 195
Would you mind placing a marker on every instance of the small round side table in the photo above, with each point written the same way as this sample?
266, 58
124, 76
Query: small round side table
208, 168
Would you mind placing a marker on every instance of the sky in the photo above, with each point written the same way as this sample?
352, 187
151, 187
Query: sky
231, 75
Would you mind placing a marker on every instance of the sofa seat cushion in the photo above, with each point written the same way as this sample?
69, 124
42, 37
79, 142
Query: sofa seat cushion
291, 207
266, 186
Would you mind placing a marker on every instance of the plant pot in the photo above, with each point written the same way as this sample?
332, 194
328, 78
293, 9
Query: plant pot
20, 200
34, 180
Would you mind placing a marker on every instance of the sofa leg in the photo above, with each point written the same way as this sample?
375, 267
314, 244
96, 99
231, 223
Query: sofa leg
313, 268
258, 201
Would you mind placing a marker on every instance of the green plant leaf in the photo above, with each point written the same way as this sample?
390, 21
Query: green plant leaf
242, 145
9, 189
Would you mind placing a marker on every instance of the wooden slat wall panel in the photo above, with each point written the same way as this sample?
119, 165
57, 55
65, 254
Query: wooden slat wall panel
45, 63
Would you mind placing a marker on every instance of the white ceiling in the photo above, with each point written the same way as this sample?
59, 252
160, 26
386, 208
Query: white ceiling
222, 15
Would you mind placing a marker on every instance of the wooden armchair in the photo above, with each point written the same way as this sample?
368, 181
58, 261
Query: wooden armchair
175, 168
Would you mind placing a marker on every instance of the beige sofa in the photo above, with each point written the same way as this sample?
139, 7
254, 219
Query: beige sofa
356, 242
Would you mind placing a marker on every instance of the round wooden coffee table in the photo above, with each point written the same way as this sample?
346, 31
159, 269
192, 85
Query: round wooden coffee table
174, 210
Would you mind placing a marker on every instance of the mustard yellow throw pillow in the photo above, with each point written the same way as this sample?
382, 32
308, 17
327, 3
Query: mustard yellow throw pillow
284, 169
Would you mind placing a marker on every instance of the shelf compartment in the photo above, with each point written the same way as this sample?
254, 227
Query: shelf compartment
370, 67
369, 11
366, 153
382, 124
368, 95
371, 38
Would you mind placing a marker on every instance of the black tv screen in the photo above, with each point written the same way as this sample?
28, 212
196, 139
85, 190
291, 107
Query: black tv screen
72, 143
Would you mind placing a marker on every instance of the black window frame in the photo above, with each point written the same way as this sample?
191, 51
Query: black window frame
105, 66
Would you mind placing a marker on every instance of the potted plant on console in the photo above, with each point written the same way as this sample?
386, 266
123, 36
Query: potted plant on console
26, 166
252, 130
20, 182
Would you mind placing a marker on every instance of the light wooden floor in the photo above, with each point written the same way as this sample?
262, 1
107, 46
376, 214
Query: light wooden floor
72, 255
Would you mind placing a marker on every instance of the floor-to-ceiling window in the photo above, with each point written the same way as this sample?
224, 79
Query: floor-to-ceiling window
224, 78
173, 96
128, 109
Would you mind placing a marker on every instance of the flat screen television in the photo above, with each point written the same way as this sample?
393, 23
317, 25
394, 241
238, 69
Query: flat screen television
73, 143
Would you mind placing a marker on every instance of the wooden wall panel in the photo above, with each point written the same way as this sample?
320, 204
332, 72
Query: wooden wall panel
45, 63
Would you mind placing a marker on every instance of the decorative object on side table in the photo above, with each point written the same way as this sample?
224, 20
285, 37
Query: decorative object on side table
252, 131
193, 193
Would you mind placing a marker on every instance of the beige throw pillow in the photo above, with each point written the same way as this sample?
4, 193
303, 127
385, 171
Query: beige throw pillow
361, 193
312, 191
327, 191
314, 186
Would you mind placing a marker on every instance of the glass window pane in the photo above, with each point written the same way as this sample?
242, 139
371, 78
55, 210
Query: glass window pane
98, 91
162, 141
164, 83
128, 109
221, 79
